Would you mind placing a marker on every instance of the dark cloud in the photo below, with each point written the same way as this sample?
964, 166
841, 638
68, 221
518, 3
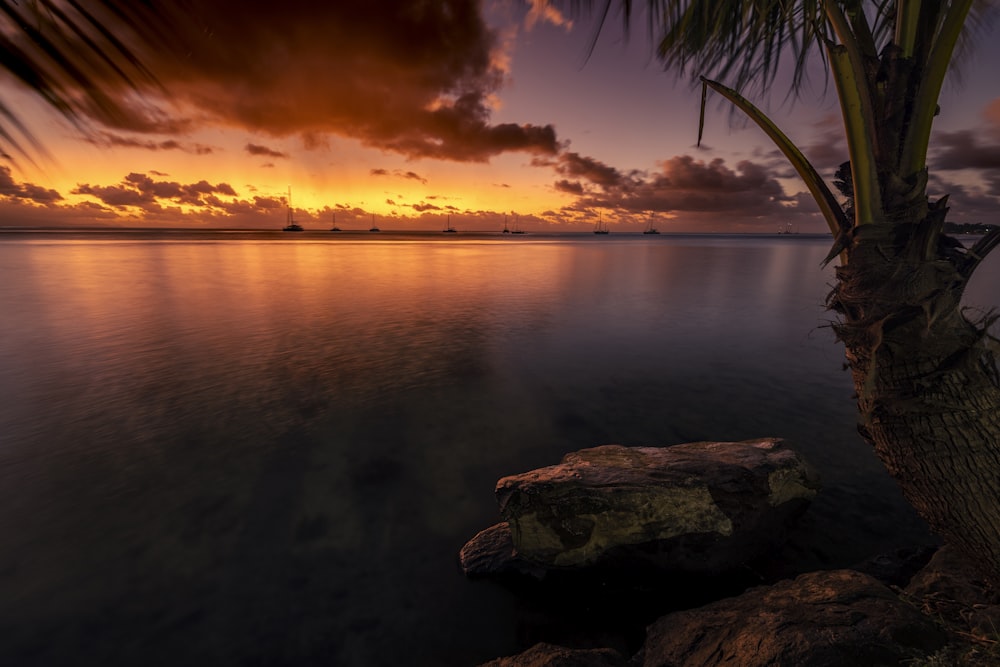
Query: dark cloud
422, 207
682, 184
112, 139
574, 165
255, 149
827, 149
408, 76
571, 187
409, 175
139, 190
967, 203
963, 150
28, 192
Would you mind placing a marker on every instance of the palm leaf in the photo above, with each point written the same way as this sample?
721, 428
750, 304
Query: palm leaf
68, 53
833, 213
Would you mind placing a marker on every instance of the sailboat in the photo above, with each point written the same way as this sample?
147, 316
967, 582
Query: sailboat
335, 228
292, 226
449, 229
505, 230
601, 229
517, 226
373, 227
650, 229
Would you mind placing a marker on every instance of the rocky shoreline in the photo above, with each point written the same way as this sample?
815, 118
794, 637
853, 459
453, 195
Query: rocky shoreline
661, 536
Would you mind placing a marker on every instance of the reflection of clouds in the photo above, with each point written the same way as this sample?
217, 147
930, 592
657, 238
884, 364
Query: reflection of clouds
692, 290
326, 419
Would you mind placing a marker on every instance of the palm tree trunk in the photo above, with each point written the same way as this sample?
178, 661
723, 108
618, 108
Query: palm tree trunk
927, 386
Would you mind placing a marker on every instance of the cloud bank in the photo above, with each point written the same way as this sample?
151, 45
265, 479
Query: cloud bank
411, 77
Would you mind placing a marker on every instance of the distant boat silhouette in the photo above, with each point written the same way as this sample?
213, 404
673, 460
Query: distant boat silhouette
505, 230
449, 229
517, 226
789, 229
292, 226
373, 227
650, 229
335, 228
600, 228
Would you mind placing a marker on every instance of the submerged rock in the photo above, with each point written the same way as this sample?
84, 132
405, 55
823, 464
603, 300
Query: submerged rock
699, 507
820, 619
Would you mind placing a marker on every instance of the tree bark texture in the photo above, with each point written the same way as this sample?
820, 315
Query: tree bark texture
927, 383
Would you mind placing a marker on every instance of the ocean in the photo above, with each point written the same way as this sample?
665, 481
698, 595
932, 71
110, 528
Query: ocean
261, 448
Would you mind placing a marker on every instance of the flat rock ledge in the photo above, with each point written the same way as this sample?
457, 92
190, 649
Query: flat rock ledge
701, 507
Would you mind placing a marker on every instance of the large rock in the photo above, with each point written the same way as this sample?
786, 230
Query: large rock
821, 619
698, 507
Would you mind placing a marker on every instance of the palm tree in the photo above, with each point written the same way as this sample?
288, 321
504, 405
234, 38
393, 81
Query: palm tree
76, 54
928, 387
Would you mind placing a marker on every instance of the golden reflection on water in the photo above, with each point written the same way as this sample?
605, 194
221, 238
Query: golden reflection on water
326, 419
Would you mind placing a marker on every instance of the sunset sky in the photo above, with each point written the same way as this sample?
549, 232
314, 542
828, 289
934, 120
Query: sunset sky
414, 111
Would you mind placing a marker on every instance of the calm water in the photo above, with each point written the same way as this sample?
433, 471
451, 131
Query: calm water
250, 448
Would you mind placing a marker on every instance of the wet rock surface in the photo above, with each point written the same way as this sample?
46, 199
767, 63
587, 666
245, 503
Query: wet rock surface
623, 538
701, 507
830, 618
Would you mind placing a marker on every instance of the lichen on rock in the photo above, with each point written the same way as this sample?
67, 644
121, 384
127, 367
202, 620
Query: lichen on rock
704, 506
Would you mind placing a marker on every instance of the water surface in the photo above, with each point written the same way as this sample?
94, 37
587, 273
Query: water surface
255, 448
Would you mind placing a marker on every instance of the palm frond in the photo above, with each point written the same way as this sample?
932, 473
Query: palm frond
76, 55
750, 44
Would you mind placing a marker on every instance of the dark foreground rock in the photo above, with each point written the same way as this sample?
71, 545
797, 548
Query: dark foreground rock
703, 507
948, 588
897, 568
819, 619
946, 615
550, 655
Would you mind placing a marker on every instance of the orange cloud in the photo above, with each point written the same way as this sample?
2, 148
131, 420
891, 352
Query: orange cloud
25, 192
139, 190
412, 77
543, 11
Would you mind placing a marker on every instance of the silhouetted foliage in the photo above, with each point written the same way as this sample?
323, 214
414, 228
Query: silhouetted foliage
76, 55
